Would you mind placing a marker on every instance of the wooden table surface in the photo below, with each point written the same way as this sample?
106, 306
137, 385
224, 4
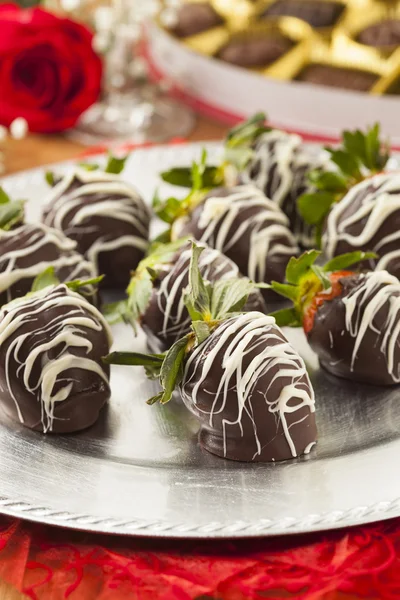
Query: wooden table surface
38, 150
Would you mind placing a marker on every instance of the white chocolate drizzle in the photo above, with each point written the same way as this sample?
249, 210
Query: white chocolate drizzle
376, 290
255, 333
118, 201
26, 322
281, 163
380, 199
270, 237
170, 300
35, 238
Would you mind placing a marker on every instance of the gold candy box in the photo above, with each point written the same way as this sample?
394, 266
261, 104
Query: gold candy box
346, 44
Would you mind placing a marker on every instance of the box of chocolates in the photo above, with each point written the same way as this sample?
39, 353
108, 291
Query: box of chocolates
300, 60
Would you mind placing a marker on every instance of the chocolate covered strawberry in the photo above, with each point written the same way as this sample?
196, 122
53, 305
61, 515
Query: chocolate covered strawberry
238, 221
237, 373
351, 319
156, 290
303, 180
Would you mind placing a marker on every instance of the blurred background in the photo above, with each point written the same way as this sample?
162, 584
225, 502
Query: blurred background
101, 73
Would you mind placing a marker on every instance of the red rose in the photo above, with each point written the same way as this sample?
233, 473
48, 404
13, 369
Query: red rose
49, 73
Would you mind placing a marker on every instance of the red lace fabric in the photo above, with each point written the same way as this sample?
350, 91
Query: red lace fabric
50, 563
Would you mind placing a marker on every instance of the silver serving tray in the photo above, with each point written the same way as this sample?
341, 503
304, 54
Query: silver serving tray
140, 470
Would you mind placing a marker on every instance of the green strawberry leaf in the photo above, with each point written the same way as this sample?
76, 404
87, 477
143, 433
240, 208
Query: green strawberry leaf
240, 140
11, 214
115, 312
238, 157
167, 210
182, 177
78, 284
298, 267
135, 359
328, 181
247, 130
4, 197
314, 207
115, 165
50, 178
285, 290
139, 293
230, 296
339, 263
157, 398
201, 330
11, 211
162, 239
286, 317
322, 276
348, 163
198, 169
89, 166
197, 294
172, 368
46, 279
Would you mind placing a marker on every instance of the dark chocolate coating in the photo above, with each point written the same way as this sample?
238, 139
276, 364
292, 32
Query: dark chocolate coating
49, 247
167, 296
338, 77
314, 12
89, 391
256, 52
330, 338
195, 18
383, 33
117, 263
254, 216
382, 227
210, 392
280, 168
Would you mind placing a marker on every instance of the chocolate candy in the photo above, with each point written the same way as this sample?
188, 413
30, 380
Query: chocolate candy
280, 167
195, 18
340, 77
28, 250
166, 318
368, 218
251, 392
255, 52
52, 378
244, 225
314, 12
106, 217
383, 33
356, 335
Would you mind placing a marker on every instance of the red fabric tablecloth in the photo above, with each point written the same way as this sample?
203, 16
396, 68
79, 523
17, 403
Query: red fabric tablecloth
51, 563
